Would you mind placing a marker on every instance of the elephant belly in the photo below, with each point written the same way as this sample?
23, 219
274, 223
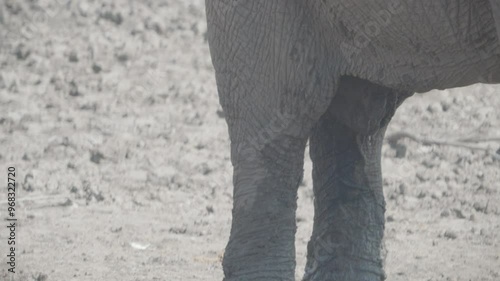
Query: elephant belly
415, 45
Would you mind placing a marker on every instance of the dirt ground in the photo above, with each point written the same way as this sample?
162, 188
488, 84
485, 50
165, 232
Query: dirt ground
109, 113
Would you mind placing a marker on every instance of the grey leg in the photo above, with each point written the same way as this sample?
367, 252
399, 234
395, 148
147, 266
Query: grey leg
345, 147
275, 78
261, 245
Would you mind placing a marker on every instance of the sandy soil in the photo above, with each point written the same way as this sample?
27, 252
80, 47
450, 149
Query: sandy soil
109, 113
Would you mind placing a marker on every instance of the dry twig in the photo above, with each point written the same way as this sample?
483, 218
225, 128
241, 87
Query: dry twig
464, 142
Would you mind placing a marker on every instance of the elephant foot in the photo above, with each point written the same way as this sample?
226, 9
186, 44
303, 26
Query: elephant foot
352, 274
343, 251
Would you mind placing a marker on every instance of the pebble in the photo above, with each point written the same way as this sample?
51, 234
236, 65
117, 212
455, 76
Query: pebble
403, 189
96, 68
445, 105
22, 52
401, 151
73, 89
434, 108
459, 214
421, 177
421, 195
73, 57
96, 157
116, 18
435, 195
450, 234
445, 214
479, 207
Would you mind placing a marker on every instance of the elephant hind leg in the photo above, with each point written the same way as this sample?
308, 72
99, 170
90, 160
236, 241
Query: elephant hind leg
364, 107
345, 147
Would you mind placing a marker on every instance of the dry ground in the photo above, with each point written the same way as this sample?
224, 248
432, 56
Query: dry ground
109, 113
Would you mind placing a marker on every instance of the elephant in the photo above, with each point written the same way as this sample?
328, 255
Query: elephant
331, 73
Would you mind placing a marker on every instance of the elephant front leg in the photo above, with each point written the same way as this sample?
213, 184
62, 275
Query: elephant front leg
261, 245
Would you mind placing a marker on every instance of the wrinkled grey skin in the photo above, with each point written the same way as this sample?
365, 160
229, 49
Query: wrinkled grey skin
333, 72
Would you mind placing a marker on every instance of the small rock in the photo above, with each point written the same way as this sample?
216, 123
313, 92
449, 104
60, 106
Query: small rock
28, 183
96, 156
389, 219
156, 26
393, 196
401, 151
73, 57
116, 229
122, 57
22, 52
96, 68
210, 209
484, 188
205, 169
445, 106
450, 234
66, 203
178, 230
479, 207
73, 89
89, 106
429, 163
421, 177
139, 246
116, 18
40, 277
445, 214
435, 195
403, 189
459, 214
141, 144
434, 108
